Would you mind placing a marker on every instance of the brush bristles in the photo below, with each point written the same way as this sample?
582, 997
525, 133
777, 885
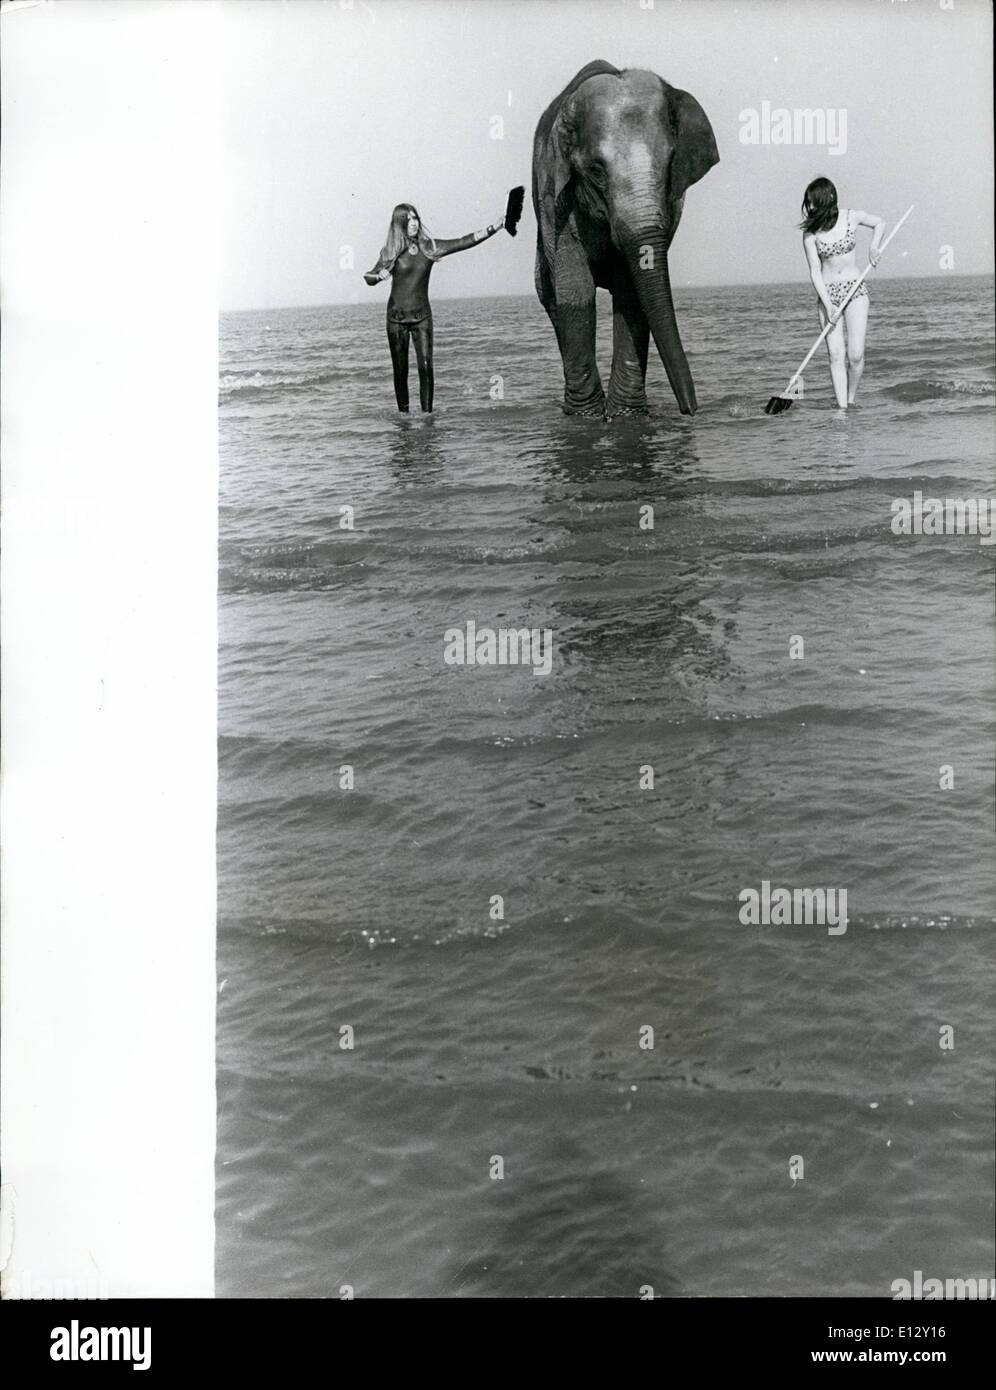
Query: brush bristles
513, 208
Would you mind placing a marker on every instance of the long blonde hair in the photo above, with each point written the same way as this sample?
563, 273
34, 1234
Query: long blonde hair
397, 236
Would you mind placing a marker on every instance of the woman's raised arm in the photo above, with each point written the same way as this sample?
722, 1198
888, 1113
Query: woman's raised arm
868, 219
463, 243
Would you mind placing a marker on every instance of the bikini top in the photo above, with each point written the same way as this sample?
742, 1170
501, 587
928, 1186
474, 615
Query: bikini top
837, 248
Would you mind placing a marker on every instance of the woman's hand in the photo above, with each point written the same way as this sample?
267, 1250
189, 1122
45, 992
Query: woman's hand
874, 256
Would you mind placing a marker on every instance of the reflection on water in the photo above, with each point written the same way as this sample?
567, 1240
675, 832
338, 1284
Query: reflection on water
415, 454
636, 449
572, 1230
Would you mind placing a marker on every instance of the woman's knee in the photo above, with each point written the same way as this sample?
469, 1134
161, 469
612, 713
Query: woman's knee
837, 354
855, 358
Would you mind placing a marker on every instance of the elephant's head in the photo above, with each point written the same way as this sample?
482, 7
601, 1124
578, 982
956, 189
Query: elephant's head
626, 146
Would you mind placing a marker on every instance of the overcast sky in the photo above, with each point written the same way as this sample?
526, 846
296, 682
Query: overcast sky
334, 112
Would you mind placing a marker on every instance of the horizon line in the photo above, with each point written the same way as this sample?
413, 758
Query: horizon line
459, 298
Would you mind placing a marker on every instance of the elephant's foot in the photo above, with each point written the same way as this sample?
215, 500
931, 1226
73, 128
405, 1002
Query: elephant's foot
595, 412
628, 405
627, 392
594, 405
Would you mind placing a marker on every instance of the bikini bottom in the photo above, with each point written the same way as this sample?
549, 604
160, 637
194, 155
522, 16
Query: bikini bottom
837, 291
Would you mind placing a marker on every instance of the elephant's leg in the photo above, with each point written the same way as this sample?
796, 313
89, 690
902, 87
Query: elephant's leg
630, 345
575, 324
545, 291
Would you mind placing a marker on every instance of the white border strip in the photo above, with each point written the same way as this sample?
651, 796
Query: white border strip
108, 203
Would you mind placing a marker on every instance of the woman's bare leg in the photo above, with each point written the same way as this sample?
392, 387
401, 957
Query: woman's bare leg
838, 358
856, 318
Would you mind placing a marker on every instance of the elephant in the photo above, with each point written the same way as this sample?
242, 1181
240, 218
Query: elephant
612, 158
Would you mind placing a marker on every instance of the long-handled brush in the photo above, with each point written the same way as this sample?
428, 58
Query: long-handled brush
793, 391
513, 208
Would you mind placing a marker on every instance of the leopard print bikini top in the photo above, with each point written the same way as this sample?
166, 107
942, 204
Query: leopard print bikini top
837, 248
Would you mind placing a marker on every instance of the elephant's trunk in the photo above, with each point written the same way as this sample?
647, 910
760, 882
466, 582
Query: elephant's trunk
647, 260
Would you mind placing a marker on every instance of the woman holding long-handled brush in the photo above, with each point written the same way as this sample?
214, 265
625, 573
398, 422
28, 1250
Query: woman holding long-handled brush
829, 239
408, 256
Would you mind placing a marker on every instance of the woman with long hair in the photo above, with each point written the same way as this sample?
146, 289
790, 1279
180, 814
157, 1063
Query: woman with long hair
408, 256
829, 239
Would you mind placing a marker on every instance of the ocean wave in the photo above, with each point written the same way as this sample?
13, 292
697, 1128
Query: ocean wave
259, 385
799, 554
389, 749
491, 934
266, 382
749, 543
235, 579
931, 388
962, 354
805, 487
287, 552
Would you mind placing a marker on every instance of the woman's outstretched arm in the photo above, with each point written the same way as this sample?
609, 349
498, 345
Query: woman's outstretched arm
463, 243
815, 273
868, 219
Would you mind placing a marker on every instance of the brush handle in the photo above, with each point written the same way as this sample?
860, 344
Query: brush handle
846, 300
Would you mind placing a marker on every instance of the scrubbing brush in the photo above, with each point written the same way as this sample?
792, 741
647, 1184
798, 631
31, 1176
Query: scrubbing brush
513, 208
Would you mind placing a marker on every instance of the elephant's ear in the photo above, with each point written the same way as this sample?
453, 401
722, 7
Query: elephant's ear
561, 143
695, 149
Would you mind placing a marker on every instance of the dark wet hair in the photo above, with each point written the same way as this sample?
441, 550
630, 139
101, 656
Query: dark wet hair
819, 206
